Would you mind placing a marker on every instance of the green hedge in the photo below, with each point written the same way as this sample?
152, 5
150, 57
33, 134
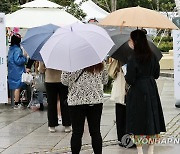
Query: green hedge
166, 46
108, 86
166, 43
164, 39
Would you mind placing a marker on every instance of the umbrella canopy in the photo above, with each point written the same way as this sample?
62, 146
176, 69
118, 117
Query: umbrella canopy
138, 17
121, 51
75, 47
40, 4
33, 17
35, 38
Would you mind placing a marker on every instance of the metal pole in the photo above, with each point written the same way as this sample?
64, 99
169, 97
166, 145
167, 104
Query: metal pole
178, 6
12, 97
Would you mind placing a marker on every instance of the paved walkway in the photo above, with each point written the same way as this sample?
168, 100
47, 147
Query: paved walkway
25, 131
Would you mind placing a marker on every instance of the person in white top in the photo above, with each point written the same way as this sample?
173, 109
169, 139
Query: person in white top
118, 96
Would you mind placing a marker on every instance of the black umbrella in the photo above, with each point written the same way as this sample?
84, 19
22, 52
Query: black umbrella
121, 51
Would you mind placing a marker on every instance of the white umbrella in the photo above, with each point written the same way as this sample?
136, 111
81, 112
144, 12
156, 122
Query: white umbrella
40, 4
75, 47
34, 17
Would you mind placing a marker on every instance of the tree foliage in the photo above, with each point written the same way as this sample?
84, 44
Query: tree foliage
8, 6
163, 5
71, 8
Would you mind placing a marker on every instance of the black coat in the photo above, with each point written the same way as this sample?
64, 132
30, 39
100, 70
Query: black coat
144, 114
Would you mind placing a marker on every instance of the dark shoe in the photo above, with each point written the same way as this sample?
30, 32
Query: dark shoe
121, 145
41, 107
177, 105
133, 146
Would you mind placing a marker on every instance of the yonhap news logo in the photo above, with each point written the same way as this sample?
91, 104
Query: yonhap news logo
128, 140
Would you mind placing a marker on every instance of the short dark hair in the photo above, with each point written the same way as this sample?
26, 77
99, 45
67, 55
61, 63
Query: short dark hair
141, 47
16, 39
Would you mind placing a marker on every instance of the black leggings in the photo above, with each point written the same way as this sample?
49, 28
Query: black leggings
120, 120
78, 115
53, 90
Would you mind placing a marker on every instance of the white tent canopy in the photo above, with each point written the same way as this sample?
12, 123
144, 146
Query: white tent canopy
33, 17
92, 10
40, 4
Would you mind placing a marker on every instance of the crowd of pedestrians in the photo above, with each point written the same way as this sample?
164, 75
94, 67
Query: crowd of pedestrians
138, 106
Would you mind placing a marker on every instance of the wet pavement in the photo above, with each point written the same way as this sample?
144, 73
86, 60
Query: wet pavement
25, 131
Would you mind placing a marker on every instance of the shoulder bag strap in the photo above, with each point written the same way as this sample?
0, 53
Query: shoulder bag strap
79, 75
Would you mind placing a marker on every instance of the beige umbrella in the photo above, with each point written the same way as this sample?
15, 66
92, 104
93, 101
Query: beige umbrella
138, 17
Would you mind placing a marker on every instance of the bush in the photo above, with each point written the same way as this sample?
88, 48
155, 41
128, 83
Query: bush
166, 46
108, 86
166, 43
164, 39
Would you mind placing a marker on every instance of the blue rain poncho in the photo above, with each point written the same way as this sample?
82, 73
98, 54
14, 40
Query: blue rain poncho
16, 66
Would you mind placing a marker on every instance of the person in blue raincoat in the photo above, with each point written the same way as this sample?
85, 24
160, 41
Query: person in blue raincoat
16, 66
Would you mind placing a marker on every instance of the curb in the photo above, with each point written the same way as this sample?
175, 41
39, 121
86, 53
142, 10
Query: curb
169, 75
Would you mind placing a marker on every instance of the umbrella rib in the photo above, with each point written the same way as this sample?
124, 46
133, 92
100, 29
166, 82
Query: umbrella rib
54, 47
92, 48
88, 42
36, 35
69, 58
96, 33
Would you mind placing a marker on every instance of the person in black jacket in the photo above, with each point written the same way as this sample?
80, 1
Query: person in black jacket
144, 115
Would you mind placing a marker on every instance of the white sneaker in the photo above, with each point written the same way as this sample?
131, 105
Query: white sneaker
60, 121
16, 107
19, 106
52, 129
67, 129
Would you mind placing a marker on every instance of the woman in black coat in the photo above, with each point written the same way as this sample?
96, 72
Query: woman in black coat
144, 116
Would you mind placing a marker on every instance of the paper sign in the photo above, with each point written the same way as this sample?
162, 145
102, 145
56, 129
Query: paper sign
176, 49
3, 61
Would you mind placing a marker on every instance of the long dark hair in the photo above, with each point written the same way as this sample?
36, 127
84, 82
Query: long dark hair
16, 39
141, 47
95, 68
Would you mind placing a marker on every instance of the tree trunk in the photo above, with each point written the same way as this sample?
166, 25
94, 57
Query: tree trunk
157, 3
113, 5
24, 1
178, 6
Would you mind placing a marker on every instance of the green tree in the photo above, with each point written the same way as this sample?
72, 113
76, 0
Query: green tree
167, 5
164, 5
71, 8
63, 2
5, 6
8, 6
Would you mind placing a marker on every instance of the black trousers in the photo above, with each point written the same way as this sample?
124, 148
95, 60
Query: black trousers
78, 115
52, 91
120, 120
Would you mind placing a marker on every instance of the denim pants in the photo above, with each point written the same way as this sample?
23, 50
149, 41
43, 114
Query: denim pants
78, 115
40, 97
